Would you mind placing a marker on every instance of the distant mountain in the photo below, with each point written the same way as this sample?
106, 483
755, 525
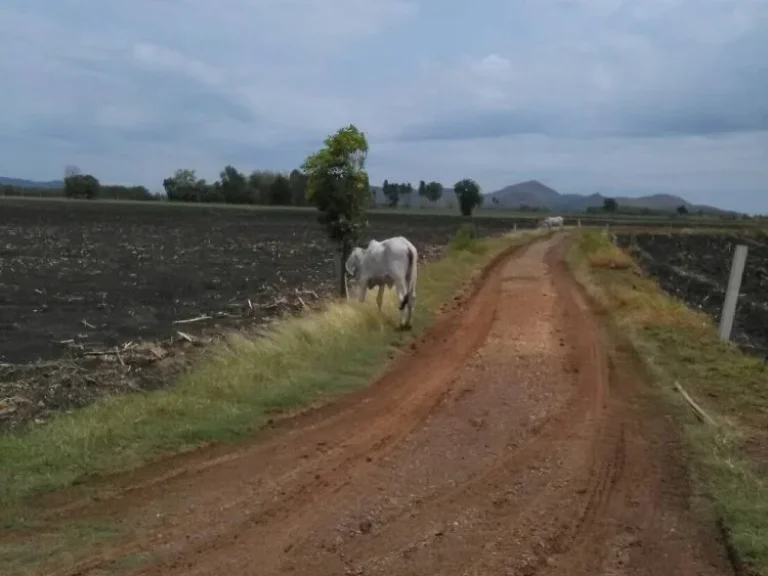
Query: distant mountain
21, 183
534, 194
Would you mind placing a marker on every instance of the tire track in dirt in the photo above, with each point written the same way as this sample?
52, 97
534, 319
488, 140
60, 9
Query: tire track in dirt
302, 459
517, 439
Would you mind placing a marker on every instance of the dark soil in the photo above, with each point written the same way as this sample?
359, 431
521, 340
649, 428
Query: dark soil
91, 293
696, 267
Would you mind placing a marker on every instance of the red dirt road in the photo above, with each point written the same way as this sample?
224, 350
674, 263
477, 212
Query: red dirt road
514, 440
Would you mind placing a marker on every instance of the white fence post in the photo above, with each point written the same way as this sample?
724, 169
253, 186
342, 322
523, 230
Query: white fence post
732, 294
515, 227
579, 221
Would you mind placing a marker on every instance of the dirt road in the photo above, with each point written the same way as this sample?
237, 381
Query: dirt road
513, 440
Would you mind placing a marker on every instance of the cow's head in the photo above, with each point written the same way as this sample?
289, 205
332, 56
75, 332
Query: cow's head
352, 265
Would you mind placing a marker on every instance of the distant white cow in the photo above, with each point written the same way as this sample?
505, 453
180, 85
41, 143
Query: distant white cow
553, 221
384, 264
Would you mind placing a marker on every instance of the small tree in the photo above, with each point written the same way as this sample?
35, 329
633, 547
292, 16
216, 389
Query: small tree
406, 190
391, 193
682, 210
234, 186
298, 181
280, 191
434, 191
610, 205
422, 189
81, 186
184, 186
209, 193
469, 196
337, 184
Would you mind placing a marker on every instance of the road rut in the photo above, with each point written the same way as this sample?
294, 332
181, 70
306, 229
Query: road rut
516, 439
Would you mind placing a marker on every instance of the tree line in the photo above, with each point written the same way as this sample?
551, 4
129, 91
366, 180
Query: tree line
81, 186
395, 192
234, 187
267, 187
260, 187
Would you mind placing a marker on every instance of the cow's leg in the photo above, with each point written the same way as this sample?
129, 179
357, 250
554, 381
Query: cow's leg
411, 303
402, 293
380, 296
363, 291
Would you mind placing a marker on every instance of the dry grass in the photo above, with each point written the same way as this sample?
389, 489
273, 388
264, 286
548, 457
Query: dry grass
227, 396
235, 389
600, 253
680, 345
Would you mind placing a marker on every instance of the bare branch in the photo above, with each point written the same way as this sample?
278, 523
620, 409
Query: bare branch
190, 320
703, 416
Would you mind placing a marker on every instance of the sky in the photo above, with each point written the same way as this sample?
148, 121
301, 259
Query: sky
613, 96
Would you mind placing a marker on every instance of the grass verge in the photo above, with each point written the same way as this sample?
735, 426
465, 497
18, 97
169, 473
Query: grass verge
236, 389
729, 459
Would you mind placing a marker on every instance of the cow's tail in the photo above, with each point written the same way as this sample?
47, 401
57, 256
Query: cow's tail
408, 280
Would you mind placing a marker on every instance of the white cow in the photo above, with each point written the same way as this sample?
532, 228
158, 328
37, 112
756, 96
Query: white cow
553, 221
384, 264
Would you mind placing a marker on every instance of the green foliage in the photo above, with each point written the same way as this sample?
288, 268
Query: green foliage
298, 182
81, 186
113, 192
682, 210
466, 239
337, 184
280, 193
610, 205
433, 191
184, 186
393, 192
469, 196
260, 186
406, 190
234, 187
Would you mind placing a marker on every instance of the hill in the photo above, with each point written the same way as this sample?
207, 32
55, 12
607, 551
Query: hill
22, 183
534, 194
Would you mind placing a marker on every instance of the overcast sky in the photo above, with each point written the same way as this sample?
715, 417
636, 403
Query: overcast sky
616, 96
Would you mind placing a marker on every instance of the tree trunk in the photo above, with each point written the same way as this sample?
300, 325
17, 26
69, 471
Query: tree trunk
341, 277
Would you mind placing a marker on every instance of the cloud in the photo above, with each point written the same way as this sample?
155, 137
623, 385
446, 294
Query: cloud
496, 91
613, 68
